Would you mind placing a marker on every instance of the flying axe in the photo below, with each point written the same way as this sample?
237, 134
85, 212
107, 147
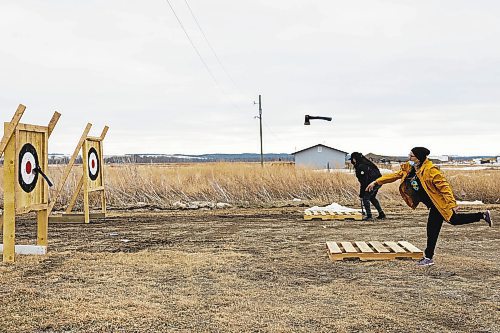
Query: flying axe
308, 118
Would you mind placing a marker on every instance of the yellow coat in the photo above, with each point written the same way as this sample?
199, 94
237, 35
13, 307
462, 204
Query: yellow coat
433, 182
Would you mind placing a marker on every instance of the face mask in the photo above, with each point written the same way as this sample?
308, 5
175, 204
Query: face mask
411, 163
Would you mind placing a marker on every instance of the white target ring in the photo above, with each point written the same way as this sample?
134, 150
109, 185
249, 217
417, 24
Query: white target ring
93, 164
28, 165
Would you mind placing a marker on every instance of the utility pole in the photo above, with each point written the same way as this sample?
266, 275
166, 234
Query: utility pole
260, 121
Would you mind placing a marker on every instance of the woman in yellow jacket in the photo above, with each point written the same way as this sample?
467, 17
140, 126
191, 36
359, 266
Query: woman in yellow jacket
422, 181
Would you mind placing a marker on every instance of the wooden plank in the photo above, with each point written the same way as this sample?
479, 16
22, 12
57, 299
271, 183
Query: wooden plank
333, 247
31, 208
104, 132
42, 228
95, 189
9, 197
28, 249
45, 153
53, 122
32, 128
348, 247
92, 215
364, 247
379, 247
86, 181
103, 201
74, 217
75, 195
410, 247
10, 128
67, 170
395, 247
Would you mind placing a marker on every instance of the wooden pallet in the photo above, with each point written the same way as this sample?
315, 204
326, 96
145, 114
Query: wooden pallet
74, 217
332, 215
373, 250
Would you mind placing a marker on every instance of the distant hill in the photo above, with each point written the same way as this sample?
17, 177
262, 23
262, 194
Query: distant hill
386, 158
217, 157
181, 158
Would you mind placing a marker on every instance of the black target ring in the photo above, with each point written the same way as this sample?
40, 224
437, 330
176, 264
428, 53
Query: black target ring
94, 165
28, 164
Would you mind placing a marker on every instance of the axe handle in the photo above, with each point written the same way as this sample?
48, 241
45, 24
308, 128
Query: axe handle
49, 182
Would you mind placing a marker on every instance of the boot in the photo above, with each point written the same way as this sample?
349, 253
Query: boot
381, 216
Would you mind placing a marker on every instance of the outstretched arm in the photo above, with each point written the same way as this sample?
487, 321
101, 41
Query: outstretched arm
389, 178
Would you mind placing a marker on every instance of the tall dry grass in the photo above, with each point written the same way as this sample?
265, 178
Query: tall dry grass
248, 184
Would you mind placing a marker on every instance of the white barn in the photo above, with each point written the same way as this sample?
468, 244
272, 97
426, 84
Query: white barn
321, 157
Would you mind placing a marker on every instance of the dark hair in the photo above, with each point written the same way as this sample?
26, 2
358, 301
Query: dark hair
361, 159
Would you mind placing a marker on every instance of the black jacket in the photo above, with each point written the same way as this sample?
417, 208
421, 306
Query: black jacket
366, 173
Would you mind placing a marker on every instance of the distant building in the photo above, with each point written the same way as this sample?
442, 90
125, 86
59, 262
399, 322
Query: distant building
320, 157
440, 158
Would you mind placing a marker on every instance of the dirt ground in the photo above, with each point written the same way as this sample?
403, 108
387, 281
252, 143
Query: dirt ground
244, 270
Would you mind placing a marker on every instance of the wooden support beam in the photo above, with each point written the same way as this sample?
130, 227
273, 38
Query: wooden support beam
53, 122
96, 189
74, 217
11, 128
101, 155
86, 206
42, 228
67, 170
103, 133
75, 196
9, 201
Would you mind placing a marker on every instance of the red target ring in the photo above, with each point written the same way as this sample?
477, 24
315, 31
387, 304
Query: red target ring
94, 165
28, 164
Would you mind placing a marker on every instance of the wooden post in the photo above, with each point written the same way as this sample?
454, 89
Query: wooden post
86, 206
101, 154
9, 201
42, 227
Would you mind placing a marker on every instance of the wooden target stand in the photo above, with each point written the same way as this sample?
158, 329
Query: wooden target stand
26, 159
92, 179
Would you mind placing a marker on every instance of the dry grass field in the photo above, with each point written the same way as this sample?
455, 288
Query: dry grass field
249, 185
251, 269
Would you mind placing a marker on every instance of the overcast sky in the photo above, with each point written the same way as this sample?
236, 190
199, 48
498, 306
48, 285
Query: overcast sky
393, 74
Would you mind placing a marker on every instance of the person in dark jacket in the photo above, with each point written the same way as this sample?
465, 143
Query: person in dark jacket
367, 172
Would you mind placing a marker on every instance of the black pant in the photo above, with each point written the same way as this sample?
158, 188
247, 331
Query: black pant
371, 197
435, 221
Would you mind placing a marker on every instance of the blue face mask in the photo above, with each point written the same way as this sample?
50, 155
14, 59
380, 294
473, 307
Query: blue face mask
411, 163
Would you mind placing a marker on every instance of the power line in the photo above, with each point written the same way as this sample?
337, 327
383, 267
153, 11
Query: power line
210, 46
194, 46
198, 52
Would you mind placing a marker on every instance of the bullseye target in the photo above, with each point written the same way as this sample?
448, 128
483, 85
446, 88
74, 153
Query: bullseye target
28, 165
93, 164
